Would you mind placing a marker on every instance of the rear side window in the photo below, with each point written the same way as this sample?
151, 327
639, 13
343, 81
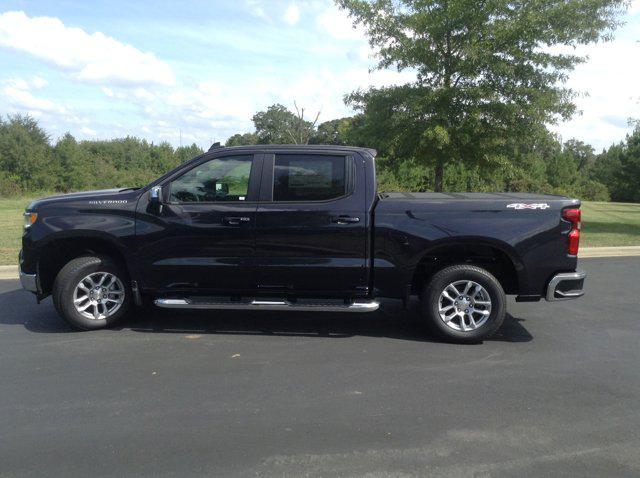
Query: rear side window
218, 180
309, 177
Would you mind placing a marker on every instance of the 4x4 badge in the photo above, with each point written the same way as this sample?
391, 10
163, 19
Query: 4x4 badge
519, 205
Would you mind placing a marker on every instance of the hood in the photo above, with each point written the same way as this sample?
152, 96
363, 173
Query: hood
98, 195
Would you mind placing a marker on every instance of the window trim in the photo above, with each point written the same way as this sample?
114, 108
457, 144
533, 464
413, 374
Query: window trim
253, 187
349, 180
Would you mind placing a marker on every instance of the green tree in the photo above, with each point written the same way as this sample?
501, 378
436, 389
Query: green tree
278, 125
25, 153
619, 168
581, 153
245, 139
342, 131
274, 125
71, 172
185, 153
486, 71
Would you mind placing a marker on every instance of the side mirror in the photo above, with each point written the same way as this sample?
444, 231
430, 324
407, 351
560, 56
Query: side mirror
155, 199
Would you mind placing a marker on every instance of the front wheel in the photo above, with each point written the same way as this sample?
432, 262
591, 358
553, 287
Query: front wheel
464, 303
91, 293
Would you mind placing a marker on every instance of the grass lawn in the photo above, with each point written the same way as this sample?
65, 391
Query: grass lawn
11, 228
603, 224
610, 224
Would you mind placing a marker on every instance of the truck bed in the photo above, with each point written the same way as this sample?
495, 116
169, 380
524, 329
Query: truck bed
473, 196
527, 228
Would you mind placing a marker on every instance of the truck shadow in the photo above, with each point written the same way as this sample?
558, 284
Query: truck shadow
402, 325
392, 321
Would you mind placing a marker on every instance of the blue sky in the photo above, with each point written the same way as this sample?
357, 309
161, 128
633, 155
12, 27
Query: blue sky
202, 68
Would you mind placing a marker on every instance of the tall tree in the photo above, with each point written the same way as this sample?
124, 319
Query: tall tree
302, 130
486, 71
273, 125
342, 131
25, 152
581, 153
619, 168
244, 139
278, 125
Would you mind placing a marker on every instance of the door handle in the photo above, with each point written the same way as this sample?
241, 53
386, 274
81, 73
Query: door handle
236, 220
345, 219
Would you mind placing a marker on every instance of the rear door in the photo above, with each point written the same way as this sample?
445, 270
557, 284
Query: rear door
311, 225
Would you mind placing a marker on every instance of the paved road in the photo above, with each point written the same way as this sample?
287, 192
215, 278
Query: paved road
557, 393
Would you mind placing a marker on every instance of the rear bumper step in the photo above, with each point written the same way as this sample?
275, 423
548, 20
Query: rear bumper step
262, 304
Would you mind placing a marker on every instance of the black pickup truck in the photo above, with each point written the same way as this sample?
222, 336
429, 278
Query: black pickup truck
298, 228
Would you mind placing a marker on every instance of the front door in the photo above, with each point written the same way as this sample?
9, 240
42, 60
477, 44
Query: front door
311, 225
204, 236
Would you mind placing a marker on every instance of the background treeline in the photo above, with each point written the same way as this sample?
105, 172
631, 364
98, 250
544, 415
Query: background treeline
30, 162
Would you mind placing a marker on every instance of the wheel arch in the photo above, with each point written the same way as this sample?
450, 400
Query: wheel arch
498, 258
61, 248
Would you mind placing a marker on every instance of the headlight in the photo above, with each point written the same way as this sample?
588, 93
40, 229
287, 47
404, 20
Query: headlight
29, 219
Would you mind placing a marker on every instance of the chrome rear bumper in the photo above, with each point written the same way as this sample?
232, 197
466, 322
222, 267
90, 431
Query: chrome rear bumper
567, 285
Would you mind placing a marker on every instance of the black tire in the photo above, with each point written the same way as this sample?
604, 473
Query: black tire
437, 284
70, 276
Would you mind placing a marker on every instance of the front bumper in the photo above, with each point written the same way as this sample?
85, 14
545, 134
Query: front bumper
29, 282
567, 285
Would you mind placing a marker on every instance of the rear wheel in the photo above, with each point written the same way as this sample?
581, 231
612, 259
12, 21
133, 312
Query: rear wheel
91, 293
464, 303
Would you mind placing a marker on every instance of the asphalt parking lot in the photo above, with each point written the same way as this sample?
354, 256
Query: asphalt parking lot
556, 393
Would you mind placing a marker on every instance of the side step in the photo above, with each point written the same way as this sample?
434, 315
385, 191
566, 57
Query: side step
262, 304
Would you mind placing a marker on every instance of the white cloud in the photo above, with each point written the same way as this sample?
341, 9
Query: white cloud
93, 58
17, 92
16, 96
292, 14
143, 94
337, 23
18, 83
85, 130
39, 82
36, 82
256, 9
25, 100
609, 81
210, 100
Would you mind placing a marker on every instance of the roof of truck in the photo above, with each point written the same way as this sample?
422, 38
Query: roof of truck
296, 147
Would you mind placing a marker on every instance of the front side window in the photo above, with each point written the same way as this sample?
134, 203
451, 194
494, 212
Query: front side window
221, 179
308, 177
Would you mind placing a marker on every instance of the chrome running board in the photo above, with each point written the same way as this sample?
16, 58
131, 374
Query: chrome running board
262, 304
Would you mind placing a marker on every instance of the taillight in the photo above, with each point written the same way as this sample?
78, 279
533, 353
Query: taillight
573, 216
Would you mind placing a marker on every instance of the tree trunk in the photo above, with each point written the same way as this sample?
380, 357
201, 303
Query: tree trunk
439, 177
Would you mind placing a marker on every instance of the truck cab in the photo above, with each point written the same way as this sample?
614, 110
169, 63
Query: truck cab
289, 221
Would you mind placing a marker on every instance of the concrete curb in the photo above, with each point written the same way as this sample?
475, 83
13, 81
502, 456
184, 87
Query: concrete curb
623, 251
8, 272
11, 272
